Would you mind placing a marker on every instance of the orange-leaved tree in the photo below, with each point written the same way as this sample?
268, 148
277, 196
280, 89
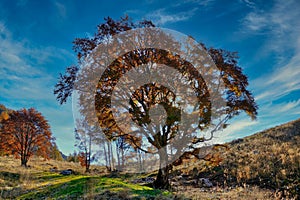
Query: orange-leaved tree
25, 133
166, 137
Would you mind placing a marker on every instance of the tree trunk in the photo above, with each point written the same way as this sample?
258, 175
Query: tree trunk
109, 156
140, 161
122, 158
88, 161
162, 178
118, 157
105, 154
112, 158
24, 161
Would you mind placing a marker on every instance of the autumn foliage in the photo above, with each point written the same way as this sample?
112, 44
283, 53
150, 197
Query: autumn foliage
24, 134
235, 94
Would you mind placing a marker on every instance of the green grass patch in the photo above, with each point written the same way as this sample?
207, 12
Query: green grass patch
54, 186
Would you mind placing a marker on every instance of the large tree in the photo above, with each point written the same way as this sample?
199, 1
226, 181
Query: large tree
26, 133
164, 139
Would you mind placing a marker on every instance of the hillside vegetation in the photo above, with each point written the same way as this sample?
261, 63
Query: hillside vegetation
265, 165
269, 159
39, 182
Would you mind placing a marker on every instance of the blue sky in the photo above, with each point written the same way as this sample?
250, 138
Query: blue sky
36, 45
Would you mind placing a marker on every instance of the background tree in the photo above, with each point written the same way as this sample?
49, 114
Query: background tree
4, 112
55, 153
84, 135
26, 133
121, 149
4, 115
234, 93
73, 157
103, 153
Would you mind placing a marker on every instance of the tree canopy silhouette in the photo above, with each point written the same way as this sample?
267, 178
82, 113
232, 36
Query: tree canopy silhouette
166, 136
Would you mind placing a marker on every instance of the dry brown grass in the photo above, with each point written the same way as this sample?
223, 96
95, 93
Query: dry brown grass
239, 193
16, 180
268, 160
262, 166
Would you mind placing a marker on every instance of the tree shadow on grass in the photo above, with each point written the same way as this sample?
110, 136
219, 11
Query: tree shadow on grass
92, 188
10, 176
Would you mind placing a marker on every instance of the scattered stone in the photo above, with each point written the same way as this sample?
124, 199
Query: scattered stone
189, 182
66, 172
144, 180
205, 182
185, 176
175, 183
255, 152
53, 169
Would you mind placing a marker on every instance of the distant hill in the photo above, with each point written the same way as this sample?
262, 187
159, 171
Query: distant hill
268, 159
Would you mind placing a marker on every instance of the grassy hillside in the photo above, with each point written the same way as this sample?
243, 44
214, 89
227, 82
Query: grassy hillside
269, 160
265, 165
38, 182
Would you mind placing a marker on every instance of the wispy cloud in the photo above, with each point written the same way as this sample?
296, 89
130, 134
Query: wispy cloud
249, 3
27, 81
283, 109
161, 16
23, 68
278, 21
290, 107
256, 21
61, 8
281, 25
237, 128
282, 81
200, 2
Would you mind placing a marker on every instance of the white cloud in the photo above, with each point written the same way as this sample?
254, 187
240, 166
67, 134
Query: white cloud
249, 3
284, 109
240, 125
282, 81
161, 17
23, 68
281, 25
61, 8
279, 22
26, 81
279, 19
255, 21
200, 2
289, 107
237, 128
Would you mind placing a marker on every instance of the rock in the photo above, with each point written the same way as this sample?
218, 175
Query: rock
177, 178
175, 183
189, 182
144, 180
255, 152
66, 172
185, 176
53, 169
205, 182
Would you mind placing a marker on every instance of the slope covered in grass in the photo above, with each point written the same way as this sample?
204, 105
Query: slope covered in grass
269, 160
265, 165
37, 182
